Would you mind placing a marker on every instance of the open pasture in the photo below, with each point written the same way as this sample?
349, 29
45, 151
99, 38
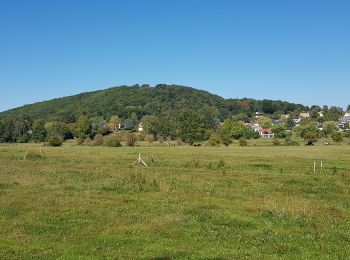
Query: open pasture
191, 202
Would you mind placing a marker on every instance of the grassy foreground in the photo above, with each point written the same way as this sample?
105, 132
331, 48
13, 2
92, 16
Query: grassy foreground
200, 203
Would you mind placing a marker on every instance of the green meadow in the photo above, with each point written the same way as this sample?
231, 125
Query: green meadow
189, 203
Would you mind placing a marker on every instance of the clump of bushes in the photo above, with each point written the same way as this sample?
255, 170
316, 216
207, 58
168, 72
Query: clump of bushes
112, 140
55, 140
337, 137
243, 141
289, 142
214, 139
131, 139
98, 140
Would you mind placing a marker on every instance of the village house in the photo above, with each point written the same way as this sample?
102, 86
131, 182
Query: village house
285, 117
304, 115
277, 122
258, 115
266, 133
140, 128
297, 121
346, 117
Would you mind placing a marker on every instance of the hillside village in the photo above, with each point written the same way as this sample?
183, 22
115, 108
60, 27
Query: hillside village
130, 115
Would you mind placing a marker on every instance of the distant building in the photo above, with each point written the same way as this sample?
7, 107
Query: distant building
304, 115
346, 117
255, 127
285, 117
297, 120
277, 122
266, 133
140, 127
258, 115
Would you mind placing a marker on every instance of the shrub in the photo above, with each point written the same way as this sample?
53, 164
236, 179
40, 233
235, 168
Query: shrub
98, 139
179, 142
55, 140
88, 141
337, 137
214, 139
149, 138
243, 142
111, 141
289, 142
131, 139
79, 141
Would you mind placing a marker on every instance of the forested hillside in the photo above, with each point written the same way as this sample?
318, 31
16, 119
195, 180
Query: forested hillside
144, 100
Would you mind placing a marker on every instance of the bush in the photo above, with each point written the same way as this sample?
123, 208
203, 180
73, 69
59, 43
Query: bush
98, 139
214, 139
131, 139
337, 137
149, 138
179, 142
111, 141
55, 140
79, 141
243, 142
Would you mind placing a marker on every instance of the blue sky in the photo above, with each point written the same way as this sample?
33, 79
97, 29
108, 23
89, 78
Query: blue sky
297, 50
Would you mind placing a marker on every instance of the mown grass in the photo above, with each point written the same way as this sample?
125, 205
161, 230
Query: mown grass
196, 203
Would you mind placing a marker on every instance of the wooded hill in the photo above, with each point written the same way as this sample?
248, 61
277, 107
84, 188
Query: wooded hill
125, 101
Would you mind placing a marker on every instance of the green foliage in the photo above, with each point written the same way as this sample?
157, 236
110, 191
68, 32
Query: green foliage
150, 124
58, 129
113, 123
126, 102
131, 139
191, 127
55, 140
333, 114
309, 132
98, 139
238, 131
279, 131
112, 140
39, 131
214, 139
337, 137
243, 142
329, 128
84, 127
7, 129
265, 122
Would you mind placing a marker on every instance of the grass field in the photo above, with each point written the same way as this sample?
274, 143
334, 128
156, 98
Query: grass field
198, 203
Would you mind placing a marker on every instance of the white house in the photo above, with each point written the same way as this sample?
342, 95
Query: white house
266, 133
304, 115
297, 120
140, 127
346, 116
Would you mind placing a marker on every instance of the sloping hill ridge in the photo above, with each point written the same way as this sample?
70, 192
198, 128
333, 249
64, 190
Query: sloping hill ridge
142, 100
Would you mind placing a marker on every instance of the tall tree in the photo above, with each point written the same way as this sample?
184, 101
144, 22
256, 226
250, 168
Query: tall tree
150, 125
84, 128
114, 122
39, 131
191, 127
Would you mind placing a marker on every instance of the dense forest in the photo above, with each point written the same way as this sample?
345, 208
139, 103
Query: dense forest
144, 100
164, 111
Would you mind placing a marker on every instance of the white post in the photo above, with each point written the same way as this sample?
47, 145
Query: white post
321, 165
25, 155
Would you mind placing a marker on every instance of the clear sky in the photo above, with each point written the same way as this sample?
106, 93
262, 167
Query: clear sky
294, 50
